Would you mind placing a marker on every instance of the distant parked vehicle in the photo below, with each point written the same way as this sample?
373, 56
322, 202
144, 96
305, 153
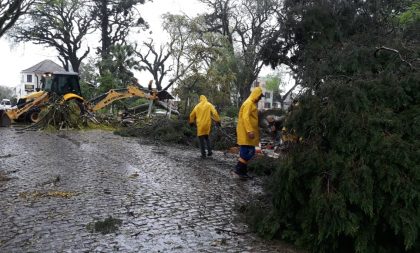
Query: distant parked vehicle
5, 104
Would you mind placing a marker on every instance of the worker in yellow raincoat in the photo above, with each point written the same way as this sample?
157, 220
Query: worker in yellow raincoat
247, 132
202, 114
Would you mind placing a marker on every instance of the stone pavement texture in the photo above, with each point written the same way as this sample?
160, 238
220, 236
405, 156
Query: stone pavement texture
167, 198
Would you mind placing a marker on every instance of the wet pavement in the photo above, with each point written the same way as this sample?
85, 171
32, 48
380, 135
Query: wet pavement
55, 184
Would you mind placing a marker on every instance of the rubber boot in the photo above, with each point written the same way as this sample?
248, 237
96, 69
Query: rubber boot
241, 170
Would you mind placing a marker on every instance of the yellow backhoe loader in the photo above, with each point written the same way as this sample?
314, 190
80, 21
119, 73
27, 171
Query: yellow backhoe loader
66, 85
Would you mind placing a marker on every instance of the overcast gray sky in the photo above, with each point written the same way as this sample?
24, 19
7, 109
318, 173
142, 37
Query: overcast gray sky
15, 58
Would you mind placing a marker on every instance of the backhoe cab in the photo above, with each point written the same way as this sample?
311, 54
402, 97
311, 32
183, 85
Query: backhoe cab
61, 83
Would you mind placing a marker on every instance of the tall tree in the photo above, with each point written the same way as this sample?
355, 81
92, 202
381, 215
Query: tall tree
117, 67
115, 19
203, 56
6, 92
220, 77
247, 25
89, 78
10, 11
175, 58
156, 61
61, 24
308, 39
220, 17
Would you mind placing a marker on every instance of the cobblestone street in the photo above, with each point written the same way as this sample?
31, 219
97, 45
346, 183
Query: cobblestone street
166, 197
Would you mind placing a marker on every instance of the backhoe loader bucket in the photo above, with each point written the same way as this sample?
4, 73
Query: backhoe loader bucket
4, 119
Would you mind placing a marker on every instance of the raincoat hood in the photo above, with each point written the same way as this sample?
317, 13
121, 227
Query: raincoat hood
255, 94
203, 99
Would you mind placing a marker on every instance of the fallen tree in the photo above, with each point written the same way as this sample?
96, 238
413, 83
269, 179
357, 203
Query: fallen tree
177, 130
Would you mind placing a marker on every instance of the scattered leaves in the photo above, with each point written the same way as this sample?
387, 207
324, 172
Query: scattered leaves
37, 194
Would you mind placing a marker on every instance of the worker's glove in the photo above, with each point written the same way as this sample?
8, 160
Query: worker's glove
218, 123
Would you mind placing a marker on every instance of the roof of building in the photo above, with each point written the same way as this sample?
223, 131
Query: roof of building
44, 66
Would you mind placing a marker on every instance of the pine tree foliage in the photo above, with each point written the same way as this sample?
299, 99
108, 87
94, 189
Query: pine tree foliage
353, 183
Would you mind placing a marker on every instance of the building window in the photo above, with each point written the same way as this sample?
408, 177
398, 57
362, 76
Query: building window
29, 87
267, 95
267, 105
29, 78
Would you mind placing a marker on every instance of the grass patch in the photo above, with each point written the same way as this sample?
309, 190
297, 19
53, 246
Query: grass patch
104, 127
107, 226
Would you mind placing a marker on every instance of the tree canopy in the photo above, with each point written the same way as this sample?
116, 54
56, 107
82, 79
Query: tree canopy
61, 24
246, 25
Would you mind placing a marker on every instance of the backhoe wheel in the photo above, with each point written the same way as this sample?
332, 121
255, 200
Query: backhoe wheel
33, 115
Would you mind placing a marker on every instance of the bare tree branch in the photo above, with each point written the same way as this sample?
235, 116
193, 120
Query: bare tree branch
397, 52
10, 11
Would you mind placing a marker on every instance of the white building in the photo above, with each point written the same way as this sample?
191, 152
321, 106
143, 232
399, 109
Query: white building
269, 102
31, 77
266, 102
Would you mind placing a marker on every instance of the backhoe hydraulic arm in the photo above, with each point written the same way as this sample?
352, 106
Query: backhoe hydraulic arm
117, 94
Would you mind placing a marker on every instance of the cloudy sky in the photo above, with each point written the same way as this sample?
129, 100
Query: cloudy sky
15, 58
